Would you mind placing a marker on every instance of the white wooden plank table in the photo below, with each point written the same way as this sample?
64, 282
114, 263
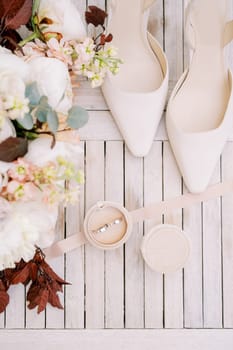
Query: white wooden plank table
116, 291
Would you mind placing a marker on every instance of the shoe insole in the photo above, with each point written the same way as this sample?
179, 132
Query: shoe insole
201, 101
141, 71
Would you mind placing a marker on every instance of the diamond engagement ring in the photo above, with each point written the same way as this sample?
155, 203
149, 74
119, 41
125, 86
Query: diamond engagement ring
105, 227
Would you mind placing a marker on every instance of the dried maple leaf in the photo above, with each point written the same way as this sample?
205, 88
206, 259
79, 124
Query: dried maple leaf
33, 271
2, 286
33, 291
49, 271
21, 276
105, 39
4, 300
44, 297
54, 299
4, 297
45, 283
95, 16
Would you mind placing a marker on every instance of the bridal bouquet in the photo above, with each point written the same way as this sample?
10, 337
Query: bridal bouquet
39, 143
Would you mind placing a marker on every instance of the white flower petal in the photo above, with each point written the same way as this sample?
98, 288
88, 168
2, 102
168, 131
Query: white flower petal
40, 152
25, 226
67, 19
53, 81
6, 130
15, 65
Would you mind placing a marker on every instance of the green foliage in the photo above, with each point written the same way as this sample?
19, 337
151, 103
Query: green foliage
32, 93
26, 122
77, 117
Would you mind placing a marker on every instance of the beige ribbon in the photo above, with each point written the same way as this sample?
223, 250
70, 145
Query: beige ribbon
150, 212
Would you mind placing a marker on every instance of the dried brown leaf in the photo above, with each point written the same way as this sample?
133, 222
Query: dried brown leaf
15, 13
33, 292
33, 271
95, 16
43, 301
13, 148
54, 299
32, 305
52, 274
4, 300
21, 276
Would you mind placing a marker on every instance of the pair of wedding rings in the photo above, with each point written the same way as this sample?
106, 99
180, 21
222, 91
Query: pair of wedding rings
109, 225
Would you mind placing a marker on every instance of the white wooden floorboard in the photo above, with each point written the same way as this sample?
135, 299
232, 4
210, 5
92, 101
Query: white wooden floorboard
173, 288
2, 320
153, 192
114, 260
115, 340
94, 258
16, 309
212, 261
193, 277
55, 319
227, 240
134, 266
74, 272
33, 320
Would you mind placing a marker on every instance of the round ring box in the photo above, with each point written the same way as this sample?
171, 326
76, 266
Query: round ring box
165, 248
107, 225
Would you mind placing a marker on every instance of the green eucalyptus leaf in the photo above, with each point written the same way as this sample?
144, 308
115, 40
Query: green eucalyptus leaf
77, 117
41, 114
52, 120
32, 93
44, 101
43, 109
26, 122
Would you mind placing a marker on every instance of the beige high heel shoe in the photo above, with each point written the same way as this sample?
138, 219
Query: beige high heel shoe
200, 111
137, 95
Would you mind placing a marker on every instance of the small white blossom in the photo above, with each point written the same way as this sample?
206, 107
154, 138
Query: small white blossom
15, 107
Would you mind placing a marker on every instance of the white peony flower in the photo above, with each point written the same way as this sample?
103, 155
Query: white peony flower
40, 152
65, 16
4, 50
23, 226
11, 85
5, 208
13, 64
53, 81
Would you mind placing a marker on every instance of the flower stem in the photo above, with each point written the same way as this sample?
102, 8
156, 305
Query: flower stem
28, 39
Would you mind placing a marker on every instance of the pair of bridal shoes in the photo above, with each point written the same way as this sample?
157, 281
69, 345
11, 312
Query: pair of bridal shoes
200, 110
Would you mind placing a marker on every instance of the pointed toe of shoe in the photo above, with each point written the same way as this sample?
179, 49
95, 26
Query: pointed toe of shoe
196, 181
138, 145
137, 117
196, 156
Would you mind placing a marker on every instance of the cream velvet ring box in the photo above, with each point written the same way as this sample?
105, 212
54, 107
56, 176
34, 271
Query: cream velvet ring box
109, 225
